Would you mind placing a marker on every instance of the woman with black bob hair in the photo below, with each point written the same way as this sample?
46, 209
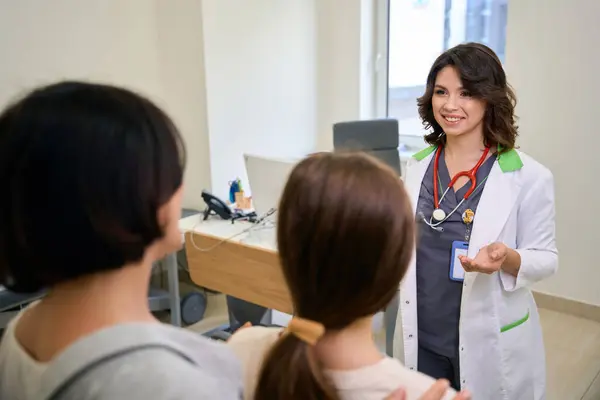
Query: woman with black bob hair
485, 213
92, 182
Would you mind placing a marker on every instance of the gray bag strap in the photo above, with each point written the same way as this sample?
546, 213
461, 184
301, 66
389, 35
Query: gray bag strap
66, 384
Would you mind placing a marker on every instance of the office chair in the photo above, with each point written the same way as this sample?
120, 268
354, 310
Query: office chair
379, 137
241, 312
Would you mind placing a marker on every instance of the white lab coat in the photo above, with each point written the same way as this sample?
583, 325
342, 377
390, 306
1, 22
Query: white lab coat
517, 209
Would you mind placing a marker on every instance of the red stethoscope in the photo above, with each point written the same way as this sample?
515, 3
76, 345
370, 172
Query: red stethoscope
439, 215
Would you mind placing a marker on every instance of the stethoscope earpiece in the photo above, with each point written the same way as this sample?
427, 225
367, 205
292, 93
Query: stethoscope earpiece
429, 224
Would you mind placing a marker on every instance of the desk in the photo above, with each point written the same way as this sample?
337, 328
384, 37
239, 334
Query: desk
246, 266
238, 261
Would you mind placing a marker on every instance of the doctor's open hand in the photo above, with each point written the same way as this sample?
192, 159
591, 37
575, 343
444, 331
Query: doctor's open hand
489, 259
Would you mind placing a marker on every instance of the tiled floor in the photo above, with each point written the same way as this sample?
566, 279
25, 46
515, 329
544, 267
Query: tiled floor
572, 351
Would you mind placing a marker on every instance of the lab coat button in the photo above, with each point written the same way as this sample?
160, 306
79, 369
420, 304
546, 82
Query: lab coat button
462, 349
407, 302
410, 336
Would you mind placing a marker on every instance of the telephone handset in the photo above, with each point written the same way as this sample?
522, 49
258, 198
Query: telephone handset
215, 205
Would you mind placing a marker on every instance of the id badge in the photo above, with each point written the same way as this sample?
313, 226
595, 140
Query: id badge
457, 272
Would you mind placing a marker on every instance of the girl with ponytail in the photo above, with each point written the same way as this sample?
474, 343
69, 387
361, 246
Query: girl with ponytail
345, 236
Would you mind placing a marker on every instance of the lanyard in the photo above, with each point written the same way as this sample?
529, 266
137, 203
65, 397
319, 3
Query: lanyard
439, 215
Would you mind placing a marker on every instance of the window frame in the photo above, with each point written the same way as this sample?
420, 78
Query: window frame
381, 33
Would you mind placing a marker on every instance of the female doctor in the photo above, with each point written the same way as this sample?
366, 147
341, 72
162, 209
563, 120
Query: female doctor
486, 234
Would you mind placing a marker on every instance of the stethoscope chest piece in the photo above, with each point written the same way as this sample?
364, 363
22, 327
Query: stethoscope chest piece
439, 214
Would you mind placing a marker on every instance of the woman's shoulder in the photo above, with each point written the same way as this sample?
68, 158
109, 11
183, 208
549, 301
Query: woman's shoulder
255, 341
198, 348
256, 333
251, 345
156, 360
531, 165
162, 374
529, 172
379, 380
168, 348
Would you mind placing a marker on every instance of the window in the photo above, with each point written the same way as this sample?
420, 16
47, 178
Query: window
411, 34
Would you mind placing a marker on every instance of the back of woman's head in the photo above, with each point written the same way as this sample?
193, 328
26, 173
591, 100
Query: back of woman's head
345, 238
84, 169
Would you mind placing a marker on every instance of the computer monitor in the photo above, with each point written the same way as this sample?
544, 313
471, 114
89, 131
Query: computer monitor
379, 137
267, 178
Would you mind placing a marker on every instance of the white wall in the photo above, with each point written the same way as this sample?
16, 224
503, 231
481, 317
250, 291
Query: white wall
152, 47
346, 62
260, 82
339, 61
233, 75
553, 63
183, 80
42, 41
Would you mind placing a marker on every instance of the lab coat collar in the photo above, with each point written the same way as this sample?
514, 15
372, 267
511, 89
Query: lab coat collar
495, 206
509, 161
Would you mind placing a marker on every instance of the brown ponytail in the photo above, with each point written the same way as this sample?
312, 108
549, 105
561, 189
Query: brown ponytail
345, 236
290, 371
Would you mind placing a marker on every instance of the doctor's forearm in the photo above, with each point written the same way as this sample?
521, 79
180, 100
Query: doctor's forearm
512, 264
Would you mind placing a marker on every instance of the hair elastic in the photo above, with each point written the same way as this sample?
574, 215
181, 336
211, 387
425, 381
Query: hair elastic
306, 330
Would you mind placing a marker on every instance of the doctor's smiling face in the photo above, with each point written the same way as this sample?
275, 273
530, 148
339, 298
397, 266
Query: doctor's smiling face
467, 92
454, 107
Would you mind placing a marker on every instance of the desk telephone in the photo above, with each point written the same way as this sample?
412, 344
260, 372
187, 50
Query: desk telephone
215, 205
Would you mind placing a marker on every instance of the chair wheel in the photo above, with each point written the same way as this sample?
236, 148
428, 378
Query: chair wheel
193, 307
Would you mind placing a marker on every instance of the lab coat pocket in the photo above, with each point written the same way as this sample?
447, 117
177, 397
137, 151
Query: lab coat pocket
515, 324
517, 367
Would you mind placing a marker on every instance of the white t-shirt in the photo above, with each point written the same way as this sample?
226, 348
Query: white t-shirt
197, 368
373, 382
